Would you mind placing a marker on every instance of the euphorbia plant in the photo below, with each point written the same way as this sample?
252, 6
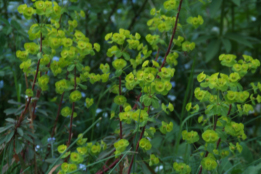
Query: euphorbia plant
134, 68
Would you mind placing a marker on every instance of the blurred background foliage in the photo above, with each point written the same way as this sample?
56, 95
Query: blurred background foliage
230, 26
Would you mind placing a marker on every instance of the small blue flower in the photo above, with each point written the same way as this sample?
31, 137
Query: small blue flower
98, 110
82, 167
37, 147
51, 140
83, 94
55, 58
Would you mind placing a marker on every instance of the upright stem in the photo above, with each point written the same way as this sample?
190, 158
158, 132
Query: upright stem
56, 119
121, 166
73, 105
173, 34
137, 145
219, 140
120, 107
136, 104
29, 99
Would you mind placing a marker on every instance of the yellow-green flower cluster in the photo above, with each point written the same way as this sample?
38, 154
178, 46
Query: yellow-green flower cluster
83, 150
75, 96
237, 147
61, 86
29, 92
195, 21
153, 160
89, 102
160, 21
145, 144
188, 46
235, 129
209, 162
120, 146
150, 132
190, 137
181, 168
170, 108
178, 41
210, 136
43, 82
138, 116
241, 66
165, 127
172, 58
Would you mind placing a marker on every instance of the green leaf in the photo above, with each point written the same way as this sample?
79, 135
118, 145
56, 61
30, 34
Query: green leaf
237, 2
214, 7
44, 30
84, 87
212, 50
246, 153
71, 67
18, 146
222, 134
146, 100
16, 25
118, 53
157, 141
79, 66
36, 29
227, 45
39, 55
253, 169
239, 39
4, 21
155, 103
9, 136
203, 38
210, 147
7, 30
118, 72
2, 73
126, 56
50, 160
11, 120
20, 132
2, 129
